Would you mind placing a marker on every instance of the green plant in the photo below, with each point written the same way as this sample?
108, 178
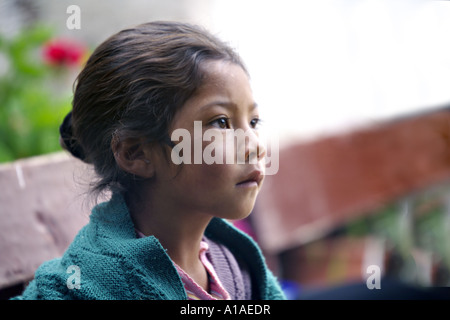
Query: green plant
34, 95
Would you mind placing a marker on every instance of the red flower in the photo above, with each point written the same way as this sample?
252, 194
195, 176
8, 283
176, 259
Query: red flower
64, 52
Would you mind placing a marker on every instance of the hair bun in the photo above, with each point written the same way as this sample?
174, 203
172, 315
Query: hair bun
67, 140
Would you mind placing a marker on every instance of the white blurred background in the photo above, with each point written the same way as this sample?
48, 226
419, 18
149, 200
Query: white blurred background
325, 66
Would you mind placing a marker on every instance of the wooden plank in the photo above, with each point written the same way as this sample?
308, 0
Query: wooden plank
41, 210
326, 182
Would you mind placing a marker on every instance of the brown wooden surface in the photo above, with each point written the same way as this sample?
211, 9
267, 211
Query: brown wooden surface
324, 183
41, 209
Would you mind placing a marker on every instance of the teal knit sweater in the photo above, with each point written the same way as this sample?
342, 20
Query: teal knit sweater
114, 264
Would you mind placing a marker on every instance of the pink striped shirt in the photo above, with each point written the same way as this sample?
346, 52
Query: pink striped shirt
193, 290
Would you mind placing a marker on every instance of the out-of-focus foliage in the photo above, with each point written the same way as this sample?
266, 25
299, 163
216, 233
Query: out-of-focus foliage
420, 222
34, 93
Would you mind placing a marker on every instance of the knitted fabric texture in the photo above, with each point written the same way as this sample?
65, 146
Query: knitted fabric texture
115, 265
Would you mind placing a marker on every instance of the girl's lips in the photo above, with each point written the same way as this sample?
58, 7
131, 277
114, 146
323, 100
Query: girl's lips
247, 184
253, 179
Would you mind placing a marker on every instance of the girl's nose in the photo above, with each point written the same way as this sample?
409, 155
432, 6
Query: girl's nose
255, 150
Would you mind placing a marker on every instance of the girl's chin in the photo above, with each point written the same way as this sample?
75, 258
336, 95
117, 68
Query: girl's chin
237, 214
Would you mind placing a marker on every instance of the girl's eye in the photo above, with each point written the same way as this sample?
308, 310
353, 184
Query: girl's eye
255, 123
222, 123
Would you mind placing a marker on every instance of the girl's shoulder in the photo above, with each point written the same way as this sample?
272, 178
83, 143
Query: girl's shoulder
249, 257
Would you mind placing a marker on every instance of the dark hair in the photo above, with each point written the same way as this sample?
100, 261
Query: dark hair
132, 86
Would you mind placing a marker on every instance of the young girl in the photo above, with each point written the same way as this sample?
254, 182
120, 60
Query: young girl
163, 234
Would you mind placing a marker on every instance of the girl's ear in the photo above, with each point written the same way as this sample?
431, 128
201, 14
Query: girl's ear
131, 157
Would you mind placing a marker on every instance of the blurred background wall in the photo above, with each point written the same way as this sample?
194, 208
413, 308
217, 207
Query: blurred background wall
356, 92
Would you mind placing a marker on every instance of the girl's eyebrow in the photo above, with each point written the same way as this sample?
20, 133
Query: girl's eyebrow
226, 104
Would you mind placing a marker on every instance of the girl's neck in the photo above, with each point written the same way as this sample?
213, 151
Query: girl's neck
179, 232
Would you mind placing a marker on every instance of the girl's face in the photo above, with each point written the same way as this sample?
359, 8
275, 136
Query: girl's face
225, 189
